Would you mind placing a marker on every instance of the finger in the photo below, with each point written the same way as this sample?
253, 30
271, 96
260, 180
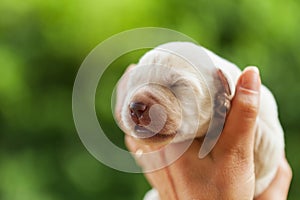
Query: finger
130, 67
148, 157
279, 188
122, 83
238, 133
121, 91
182, 175
157, 177
135, 148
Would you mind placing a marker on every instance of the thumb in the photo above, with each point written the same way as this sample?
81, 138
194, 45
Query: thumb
239, 131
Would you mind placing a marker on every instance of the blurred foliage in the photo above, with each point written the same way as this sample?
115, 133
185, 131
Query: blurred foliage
42, 44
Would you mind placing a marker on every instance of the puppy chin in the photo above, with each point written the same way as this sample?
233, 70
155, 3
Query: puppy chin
157, 141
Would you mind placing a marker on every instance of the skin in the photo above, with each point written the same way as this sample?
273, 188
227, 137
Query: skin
228, 171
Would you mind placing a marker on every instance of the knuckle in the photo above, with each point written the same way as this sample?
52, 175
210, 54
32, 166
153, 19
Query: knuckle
286, 169
289, 172
238, 155
238, 163
248, 105
249, 110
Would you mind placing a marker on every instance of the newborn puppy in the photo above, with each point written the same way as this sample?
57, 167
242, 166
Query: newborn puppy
166, 99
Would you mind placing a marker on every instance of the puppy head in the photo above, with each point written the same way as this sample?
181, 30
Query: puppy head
165, 98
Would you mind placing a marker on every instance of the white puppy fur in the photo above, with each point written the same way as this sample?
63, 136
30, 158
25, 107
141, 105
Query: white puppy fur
184, 95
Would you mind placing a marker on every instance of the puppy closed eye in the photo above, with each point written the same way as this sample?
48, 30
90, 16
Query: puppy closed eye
182, 83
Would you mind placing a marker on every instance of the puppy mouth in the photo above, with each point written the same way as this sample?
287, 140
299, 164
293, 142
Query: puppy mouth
145, 134
142, 132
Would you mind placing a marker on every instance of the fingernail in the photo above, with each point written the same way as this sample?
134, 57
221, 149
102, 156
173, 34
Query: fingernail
250, 79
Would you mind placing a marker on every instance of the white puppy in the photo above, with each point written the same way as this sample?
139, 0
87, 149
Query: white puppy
167, 99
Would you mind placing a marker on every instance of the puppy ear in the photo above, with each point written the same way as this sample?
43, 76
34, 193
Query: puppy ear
227, 83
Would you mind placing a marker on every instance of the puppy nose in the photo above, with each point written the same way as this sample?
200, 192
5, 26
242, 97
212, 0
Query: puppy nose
137, 109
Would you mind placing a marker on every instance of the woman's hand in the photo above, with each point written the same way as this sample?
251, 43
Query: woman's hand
228, 171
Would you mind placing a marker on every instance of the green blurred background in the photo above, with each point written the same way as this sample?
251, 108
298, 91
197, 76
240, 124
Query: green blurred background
43, 43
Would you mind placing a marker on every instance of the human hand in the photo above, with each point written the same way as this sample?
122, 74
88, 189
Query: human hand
228, 171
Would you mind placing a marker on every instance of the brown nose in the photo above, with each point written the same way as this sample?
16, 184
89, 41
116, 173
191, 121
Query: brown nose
137, 109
